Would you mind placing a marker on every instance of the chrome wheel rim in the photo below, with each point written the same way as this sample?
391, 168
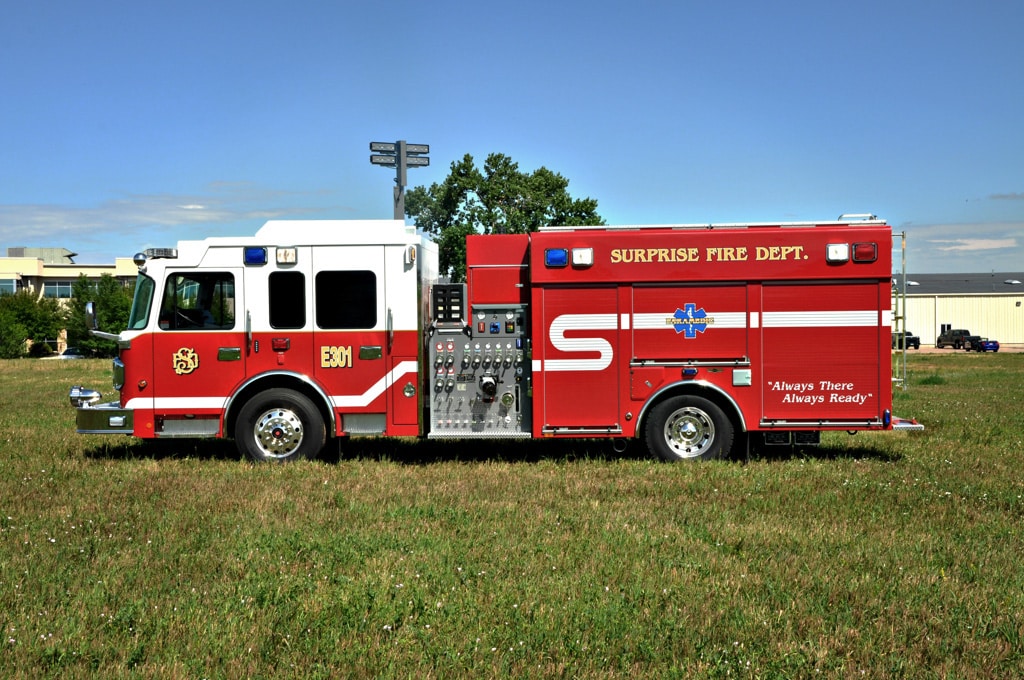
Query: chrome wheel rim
689, 432
278, 432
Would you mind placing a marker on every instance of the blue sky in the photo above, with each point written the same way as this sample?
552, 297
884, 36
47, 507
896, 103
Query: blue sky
126, 124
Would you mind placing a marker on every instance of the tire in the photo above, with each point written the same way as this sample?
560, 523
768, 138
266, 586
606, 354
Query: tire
280, 426
689, 428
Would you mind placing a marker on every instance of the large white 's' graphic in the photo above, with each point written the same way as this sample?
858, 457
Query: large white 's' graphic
581, 322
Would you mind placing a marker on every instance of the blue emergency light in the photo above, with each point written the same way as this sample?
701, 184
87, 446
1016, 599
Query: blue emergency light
556, 257
254, 255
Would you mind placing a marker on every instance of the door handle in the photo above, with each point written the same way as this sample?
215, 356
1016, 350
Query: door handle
371, 352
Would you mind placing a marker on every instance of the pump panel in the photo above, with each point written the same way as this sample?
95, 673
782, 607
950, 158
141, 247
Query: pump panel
479, 372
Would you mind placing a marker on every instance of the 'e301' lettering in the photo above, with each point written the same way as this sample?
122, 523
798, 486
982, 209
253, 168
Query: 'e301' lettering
332, 356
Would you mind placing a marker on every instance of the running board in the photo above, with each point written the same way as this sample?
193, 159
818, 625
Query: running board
615, 429
905, 424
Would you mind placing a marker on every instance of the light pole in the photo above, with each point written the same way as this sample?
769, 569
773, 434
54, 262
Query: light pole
400, 156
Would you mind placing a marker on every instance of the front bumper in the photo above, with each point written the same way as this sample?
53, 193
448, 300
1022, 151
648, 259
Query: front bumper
93, 418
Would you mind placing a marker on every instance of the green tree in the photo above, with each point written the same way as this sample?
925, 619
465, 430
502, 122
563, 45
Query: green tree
13, 333
499, 199
113, 305
28, 317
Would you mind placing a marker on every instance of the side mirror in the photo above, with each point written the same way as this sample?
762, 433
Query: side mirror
90, 316
90, 323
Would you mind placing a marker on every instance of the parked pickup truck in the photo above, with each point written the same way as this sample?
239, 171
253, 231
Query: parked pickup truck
910, 340
956, 338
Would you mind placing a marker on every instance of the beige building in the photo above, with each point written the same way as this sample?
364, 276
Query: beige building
51, 272
990, 305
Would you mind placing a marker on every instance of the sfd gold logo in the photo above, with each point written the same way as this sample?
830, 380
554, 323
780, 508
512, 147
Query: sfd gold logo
185, 361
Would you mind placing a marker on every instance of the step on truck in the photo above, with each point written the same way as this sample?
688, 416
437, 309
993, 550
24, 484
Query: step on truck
691, 338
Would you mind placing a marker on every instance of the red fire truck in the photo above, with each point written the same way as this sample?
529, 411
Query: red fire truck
697, 339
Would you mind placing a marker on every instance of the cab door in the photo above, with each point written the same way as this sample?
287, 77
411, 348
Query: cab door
350, 333
198, 350
280, 317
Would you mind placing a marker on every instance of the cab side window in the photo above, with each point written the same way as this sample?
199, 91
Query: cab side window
346, 300
194, 301
287, 299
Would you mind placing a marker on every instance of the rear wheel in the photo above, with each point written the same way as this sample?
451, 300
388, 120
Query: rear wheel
279, 425
689, 428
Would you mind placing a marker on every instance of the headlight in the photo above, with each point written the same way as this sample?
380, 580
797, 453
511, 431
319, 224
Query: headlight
81, 397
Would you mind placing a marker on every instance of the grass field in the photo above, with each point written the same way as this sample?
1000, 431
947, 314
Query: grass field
880, 555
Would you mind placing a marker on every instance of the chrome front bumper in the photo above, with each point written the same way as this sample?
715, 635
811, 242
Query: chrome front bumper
94, 418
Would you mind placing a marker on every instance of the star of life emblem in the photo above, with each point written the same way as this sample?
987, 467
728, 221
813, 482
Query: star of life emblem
690, 320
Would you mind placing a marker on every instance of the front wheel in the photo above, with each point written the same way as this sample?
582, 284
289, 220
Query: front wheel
279, 425
689, 428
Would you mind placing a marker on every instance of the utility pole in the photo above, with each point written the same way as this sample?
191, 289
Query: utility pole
400, 156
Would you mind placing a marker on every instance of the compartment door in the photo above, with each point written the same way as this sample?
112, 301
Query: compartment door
822, 352
579, 363
692, 323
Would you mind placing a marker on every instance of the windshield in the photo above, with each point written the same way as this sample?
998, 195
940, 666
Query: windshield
141, 304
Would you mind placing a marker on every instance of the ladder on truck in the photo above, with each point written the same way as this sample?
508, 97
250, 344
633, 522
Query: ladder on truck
899, 327
899, 319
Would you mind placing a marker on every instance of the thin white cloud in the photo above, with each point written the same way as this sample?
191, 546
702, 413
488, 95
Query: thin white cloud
1012, 196
965, 246
91, 230
973, 244
138, 210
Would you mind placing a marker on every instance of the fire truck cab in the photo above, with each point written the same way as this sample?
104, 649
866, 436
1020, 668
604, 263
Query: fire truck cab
697, 339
